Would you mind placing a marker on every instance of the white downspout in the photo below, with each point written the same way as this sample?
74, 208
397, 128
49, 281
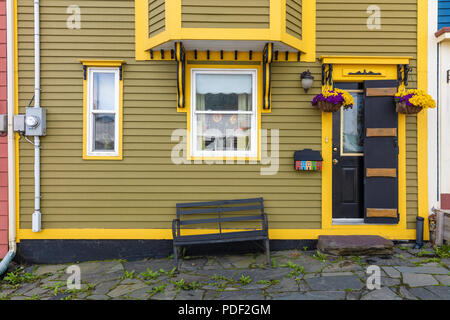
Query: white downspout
36, 218
11, 137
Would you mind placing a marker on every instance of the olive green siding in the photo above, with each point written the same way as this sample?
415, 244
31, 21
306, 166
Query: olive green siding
225, 14
156, 17
342, 30
294, 18
141, 190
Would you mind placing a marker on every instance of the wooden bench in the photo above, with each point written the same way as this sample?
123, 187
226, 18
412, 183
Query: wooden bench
224, 211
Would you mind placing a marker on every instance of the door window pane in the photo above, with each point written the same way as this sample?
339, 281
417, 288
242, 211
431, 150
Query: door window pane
353, 126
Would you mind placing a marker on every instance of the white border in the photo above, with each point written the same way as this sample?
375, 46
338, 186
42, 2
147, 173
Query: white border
90, 113
253, 152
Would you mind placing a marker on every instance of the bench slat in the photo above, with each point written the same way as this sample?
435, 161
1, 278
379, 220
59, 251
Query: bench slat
215, 203
228, 236
222, 209
224, 219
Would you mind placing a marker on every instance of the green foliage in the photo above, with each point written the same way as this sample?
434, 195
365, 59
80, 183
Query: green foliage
296, 269
18, 276
443, 252
320, 256
129, 275
244, 280
183, 285
157, 289
150, 275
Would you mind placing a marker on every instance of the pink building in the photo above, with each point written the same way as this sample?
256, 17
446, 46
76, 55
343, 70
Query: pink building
3, 139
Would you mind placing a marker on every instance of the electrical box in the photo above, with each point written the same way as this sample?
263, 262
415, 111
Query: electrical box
3, 123
35, 121
19, 123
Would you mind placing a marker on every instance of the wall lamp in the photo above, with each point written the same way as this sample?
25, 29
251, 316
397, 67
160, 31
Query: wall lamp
307, 80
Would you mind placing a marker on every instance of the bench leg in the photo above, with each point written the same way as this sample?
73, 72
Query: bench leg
269, 263
175, 256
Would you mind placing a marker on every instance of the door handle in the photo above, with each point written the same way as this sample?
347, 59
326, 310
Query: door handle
335, 161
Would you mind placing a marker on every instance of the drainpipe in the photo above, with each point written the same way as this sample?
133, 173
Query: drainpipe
36, 218
11, 139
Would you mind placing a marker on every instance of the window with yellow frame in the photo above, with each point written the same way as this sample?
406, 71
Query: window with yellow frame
102, 110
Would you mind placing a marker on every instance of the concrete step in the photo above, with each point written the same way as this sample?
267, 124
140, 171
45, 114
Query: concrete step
355, 245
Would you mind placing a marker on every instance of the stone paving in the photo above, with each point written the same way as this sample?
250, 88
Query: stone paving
408, 274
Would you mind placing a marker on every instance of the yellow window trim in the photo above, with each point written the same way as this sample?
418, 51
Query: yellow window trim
276, 32
259, 110
102, 64
387, 69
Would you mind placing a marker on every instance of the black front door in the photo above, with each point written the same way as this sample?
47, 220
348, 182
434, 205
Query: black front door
348, 156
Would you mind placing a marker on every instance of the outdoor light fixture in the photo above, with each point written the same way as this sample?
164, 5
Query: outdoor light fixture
307, 80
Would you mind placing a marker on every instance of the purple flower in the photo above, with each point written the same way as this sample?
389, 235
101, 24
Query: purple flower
405, 99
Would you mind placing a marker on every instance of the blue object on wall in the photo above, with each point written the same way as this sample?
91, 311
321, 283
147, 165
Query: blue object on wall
443, 14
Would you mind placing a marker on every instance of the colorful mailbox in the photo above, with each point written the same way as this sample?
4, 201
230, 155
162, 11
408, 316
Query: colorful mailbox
307, 160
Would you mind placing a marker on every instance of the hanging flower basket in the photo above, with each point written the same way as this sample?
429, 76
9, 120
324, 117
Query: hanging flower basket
403, 107
328, 106
412, 101
331, 100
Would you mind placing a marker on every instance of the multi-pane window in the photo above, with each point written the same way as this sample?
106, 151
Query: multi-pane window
224, 110
103, 112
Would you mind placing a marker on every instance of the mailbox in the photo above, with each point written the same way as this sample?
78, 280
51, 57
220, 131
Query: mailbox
307, 160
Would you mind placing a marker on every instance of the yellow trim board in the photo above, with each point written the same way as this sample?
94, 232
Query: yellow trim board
102, 63
422, 134
365, 60
389, 71
166, 234
175, 32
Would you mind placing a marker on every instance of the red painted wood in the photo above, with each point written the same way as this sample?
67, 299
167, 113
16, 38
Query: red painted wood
3, 140
445, 201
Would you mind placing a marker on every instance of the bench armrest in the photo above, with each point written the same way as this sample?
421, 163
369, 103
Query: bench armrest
175, 227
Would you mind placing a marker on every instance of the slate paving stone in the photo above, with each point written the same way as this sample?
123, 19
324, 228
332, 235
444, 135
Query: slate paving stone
50, 269
313, 295
403, 291
391, 272
123, 289
443, 292
335, 283
425, 270
137, 266
444, 280
336, 278
424, 294
97, 297
381, 294
190, 295
419, 280
104, 287
241, 295
287, 284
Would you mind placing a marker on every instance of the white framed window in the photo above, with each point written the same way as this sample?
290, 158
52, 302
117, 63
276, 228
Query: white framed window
224, 112
103, 94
